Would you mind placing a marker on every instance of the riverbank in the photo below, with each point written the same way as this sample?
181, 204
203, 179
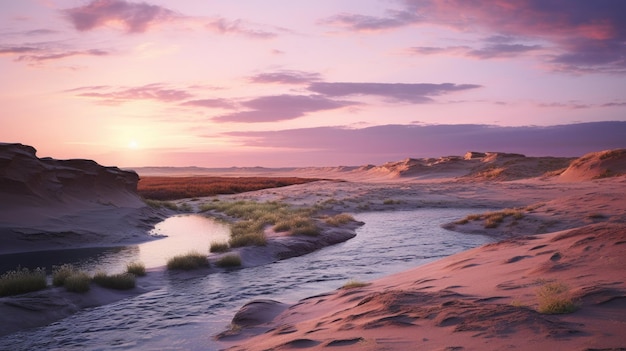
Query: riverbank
569, 237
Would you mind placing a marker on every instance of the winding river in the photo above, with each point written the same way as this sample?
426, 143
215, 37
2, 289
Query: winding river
185, 313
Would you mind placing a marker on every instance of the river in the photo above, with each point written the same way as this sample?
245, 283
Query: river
186, 312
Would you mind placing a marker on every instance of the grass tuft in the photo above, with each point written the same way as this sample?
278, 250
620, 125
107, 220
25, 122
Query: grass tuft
555, 298
62, 272
189, 261
339, 220
136, 268
219, 247
353, 284
121, 281
77, 282
22, 280
232, 260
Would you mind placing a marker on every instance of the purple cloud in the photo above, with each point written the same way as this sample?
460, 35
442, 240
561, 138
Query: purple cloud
224, 26
361, 23
384, 143
210, 103
136, 17
111, 95
585, 35
281, 107
286, 77
38, 54
415, 93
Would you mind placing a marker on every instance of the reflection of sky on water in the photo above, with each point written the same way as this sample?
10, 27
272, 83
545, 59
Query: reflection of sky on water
183, 234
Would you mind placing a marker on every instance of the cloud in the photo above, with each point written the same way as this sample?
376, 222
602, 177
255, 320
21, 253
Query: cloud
225, 26
585, 36
115, 95
135, 17
286, 77
211, 103
384, 143
281, 107
485, 52
362, 23
415, 93
42, 53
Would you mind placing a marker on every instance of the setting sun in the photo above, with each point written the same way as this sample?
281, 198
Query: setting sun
133, 144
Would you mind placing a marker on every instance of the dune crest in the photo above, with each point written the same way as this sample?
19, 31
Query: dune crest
596, 165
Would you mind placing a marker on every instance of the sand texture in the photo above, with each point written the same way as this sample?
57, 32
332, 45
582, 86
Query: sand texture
570, 238
563, 225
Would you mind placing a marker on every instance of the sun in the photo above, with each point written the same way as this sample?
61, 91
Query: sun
133, 144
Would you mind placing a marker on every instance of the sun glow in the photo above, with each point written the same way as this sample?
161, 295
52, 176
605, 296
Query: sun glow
133, 144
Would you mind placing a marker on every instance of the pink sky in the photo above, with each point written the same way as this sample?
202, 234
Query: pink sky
257, 82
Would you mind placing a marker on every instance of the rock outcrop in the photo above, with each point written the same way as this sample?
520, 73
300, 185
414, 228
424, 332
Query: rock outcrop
48, 203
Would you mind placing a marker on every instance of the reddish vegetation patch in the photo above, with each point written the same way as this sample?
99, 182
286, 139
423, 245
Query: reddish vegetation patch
172, 188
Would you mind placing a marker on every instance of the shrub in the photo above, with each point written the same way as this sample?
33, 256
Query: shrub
136, 268
229, 261
555, 298
77, 282
340, 219
189, 261
121, 281
219, 247
22, 280
62, 272
353, 284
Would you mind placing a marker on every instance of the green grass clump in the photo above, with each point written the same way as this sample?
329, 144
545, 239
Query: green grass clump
353, 284
121, 281
189, 261
77, 282
297, 225
229, 261
339, 220
136, 268
254, 217
219, 247
248, 239
555, 298
22, 280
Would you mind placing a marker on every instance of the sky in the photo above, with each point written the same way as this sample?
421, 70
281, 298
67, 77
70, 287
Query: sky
275, 83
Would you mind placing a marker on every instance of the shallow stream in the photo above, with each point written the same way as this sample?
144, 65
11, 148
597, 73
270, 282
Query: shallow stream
186, 312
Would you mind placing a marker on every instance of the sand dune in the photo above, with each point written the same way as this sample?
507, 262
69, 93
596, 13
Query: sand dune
596, 165
482, 299
572, 233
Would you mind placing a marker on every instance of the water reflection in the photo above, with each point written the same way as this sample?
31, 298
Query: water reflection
181, 234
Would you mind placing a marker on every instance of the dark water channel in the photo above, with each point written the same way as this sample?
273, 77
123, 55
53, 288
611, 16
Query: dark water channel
185, 313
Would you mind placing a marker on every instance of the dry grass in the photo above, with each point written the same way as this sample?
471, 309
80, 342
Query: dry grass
136, 268
339, 220
121, 281
231, 260
219, 247
172, 188
555, 298
77, 282
22, 280
354, 284
189, 261
254, 217
493, 219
